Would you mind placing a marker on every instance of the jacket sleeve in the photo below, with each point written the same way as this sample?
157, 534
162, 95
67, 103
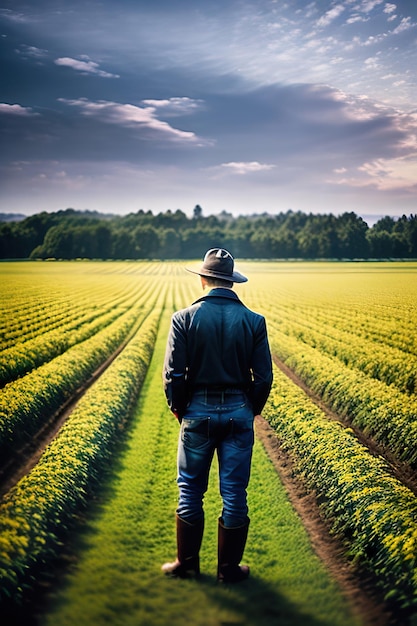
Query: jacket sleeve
175, 367
261, 369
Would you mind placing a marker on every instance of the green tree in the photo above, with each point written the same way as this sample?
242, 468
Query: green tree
170, 244
412, 236
352, 236
58, 243
386, 224
259, 242
147, 242
380, 243
197, 212
123, 245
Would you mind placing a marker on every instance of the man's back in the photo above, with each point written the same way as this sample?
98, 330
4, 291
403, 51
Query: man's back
221, 343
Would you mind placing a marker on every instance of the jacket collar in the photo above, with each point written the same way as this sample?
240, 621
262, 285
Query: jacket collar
219, 292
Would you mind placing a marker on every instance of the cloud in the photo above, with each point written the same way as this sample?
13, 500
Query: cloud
85, 67
394, 174
17, 109
175, 106
368, 5
404, 25
356, 18
374, 39
388, 174
14, 16
357, 108
331, 15
372, 63
390, 8
31, 51
131, 116
249, 70
246, 167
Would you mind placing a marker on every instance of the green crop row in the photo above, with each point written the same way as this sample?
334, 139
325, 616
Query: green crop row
366, 505
15, 328
388, 323
21, 326
377, 409
25, 356
386, 329
40, 507
390, 365
46, 309
26, 403
43, 302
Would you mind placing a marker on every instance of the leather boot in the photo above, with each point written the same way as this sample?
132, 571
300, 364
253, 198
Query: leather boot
231, 545
189, 537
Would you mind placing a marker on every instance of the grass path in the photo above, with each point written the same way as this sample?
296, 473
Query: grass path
116, 579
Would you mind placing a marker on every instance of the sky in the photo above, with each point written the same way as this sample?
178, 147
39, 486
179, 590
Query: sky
244, 106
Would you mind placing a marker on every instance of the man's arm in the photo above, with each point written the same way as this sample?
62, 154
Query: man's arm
175, 368
261, 369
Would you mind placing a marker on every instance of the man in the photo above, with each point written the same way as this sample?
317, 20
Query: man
217, 377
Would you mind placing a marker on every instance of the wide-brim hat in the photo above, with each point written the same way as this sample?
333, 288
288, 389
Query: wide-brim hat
219, 263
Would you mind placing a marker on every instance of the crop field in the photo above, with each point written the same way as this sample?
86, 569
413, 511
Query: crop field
88, 448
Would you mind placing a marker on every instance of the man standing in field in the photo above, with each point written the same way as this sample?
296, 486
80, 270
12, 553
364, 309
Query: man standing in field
217, 377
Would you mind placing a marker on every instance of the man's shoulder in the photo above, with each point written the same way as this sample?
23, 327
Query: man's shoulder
186, 311
258, 318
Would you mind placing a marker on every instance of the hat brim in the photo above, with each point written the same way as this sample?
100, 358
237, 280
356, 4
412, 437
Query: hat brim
236, 277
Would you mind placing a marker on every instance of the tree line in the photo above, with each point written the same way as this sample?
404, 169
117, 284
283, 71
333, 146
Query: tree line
71, 234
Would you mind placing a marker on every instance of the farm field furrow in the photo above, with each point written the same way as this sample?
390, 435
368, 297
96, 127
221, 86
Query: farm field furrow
47, 307
312, 311
357, 491
377, 305
18, 327
36, 511
28, 402
384, 363
26, 356
398, 334
351, 341
377, 409
50, 297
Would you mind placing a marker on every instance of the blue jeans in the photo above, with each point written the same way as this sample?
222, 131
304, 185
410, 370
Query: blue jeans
220, 421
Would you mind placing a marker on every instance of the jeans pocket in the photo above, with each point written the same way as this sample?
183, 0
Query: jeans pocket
242, 432
195, 432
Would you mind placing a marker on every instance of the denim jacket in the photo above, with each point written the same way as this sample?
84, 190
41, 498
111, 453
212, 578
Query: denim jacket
217, 342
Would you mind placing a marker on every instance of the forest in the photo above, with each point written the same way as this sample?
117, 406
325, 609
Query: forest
71, 234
